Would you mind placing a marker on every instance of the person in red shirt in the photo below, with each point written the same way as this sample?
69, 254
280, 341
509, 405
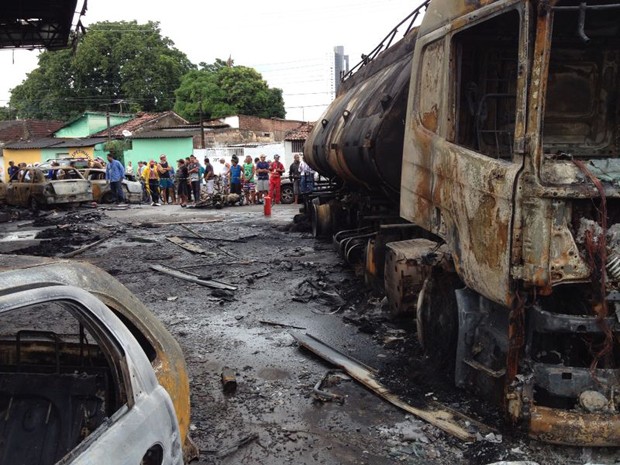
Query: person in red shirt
276, 170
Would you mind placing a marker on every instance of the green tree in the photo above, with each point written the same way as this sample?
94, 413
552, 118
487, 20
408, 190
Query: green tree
6, 113
114, 62
224, 89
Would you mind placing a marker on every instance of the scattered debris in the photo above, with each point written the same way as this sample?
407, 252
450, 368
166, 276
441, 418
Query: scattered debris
251, 278
282, 325
189, 247
313, 289
522, 462
172, 298
85, 248
229, 381
407, 431
231, 449
215, 239
223, 294
217, 220
141, 239
494, 438
444, 418
198, 236
323, 395
192, 279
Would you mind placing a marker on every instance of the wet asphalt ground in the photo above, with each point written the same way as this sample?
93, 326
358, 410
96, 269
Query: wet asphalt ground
288, 278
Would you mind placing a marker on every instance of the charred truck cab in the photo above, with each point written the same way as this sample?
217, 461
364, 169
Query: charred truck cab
480, 166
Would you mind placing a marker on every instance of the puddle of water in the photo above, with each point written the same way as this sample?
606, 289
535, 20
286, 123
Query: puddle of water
18, 236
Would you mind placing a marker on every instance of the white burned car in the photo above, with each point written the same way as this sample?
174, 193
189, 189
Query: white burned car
88, 375
102, 192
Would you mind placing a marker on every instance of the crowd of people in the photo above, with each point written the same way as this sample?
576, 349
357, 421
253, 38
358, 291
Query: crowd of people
252, 181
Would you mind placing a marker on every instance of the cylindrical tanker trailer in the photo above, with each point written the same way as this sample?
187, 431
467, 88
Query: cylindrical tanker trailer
360, 137
479, 165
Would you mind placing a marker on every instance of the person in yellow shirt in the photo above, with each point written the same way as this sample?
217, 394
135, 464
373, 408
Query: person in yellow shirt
151, 180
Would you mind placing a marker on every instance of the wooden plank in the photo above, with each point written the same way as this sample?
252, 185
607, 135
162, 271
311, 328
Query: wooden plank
198, 236
192, 279
188, 222
193, 248
452, 422
85, 248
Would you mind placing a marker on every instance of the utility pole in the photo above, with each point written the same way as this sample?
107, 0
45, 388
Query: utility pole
107, 118
202, 128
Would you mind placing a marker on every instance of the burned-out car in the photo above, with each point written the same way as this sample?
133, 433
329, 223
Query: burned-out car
102, 191
87, 373
35, 187
2, 192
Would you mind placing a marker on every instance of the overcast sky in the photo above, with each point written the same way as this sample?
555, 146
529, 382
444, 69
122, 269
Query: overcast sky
275, 36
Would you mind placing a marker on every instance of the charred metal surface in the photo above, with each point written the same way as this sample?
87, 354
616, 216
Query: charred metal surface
32, 188
574, 428
102, 190
365, 147
407, 265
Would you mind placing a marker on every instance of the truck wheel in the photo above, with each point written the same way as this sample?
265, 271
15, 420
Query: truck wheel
286, 194
321, 219
437, 316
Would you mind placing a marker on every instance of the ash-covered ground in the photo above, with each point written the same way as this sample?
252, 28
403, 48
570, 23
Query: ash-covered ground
287, 282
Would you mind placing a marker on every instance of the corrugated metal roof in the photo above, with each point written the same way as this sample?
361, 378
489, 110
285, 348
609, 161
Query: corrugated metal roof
27, 129
46, 142
87, 142
163, 134
141, 120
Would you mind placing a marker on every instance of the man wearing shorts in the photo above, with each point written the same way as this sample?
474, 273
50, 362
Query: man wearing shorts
235, 174
262, 174
209, 176
249, 186
166, 183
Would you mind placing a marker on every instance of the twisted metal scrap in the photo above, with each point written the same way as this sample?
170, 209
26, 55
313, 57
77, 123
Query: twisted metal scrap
596, 248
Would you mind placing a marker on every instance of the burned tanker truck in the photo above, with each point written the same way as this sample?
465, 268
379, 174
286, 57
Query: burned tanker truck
478, 161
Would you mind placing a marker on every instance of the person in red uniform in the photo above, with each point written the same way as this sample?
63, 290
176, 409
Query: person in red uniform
276, 170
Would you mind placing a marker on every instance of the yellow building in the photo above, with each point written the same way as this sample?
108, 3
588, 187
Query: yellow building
41, 150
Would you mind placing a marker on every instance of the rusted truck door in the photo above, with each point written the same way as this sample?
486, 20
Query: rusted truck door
464, 143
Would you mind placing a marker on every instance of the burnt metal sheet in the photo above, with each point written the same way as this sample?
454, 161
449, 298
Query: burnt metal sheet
571, 381
547, 322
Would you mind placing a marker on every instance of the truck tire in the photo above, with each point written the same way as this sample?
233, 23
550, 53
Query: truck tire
437, 316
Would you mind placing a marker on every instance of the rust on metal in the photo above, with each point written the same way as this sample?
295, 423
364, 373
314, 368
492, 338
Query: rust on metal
574, 428
229, 380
